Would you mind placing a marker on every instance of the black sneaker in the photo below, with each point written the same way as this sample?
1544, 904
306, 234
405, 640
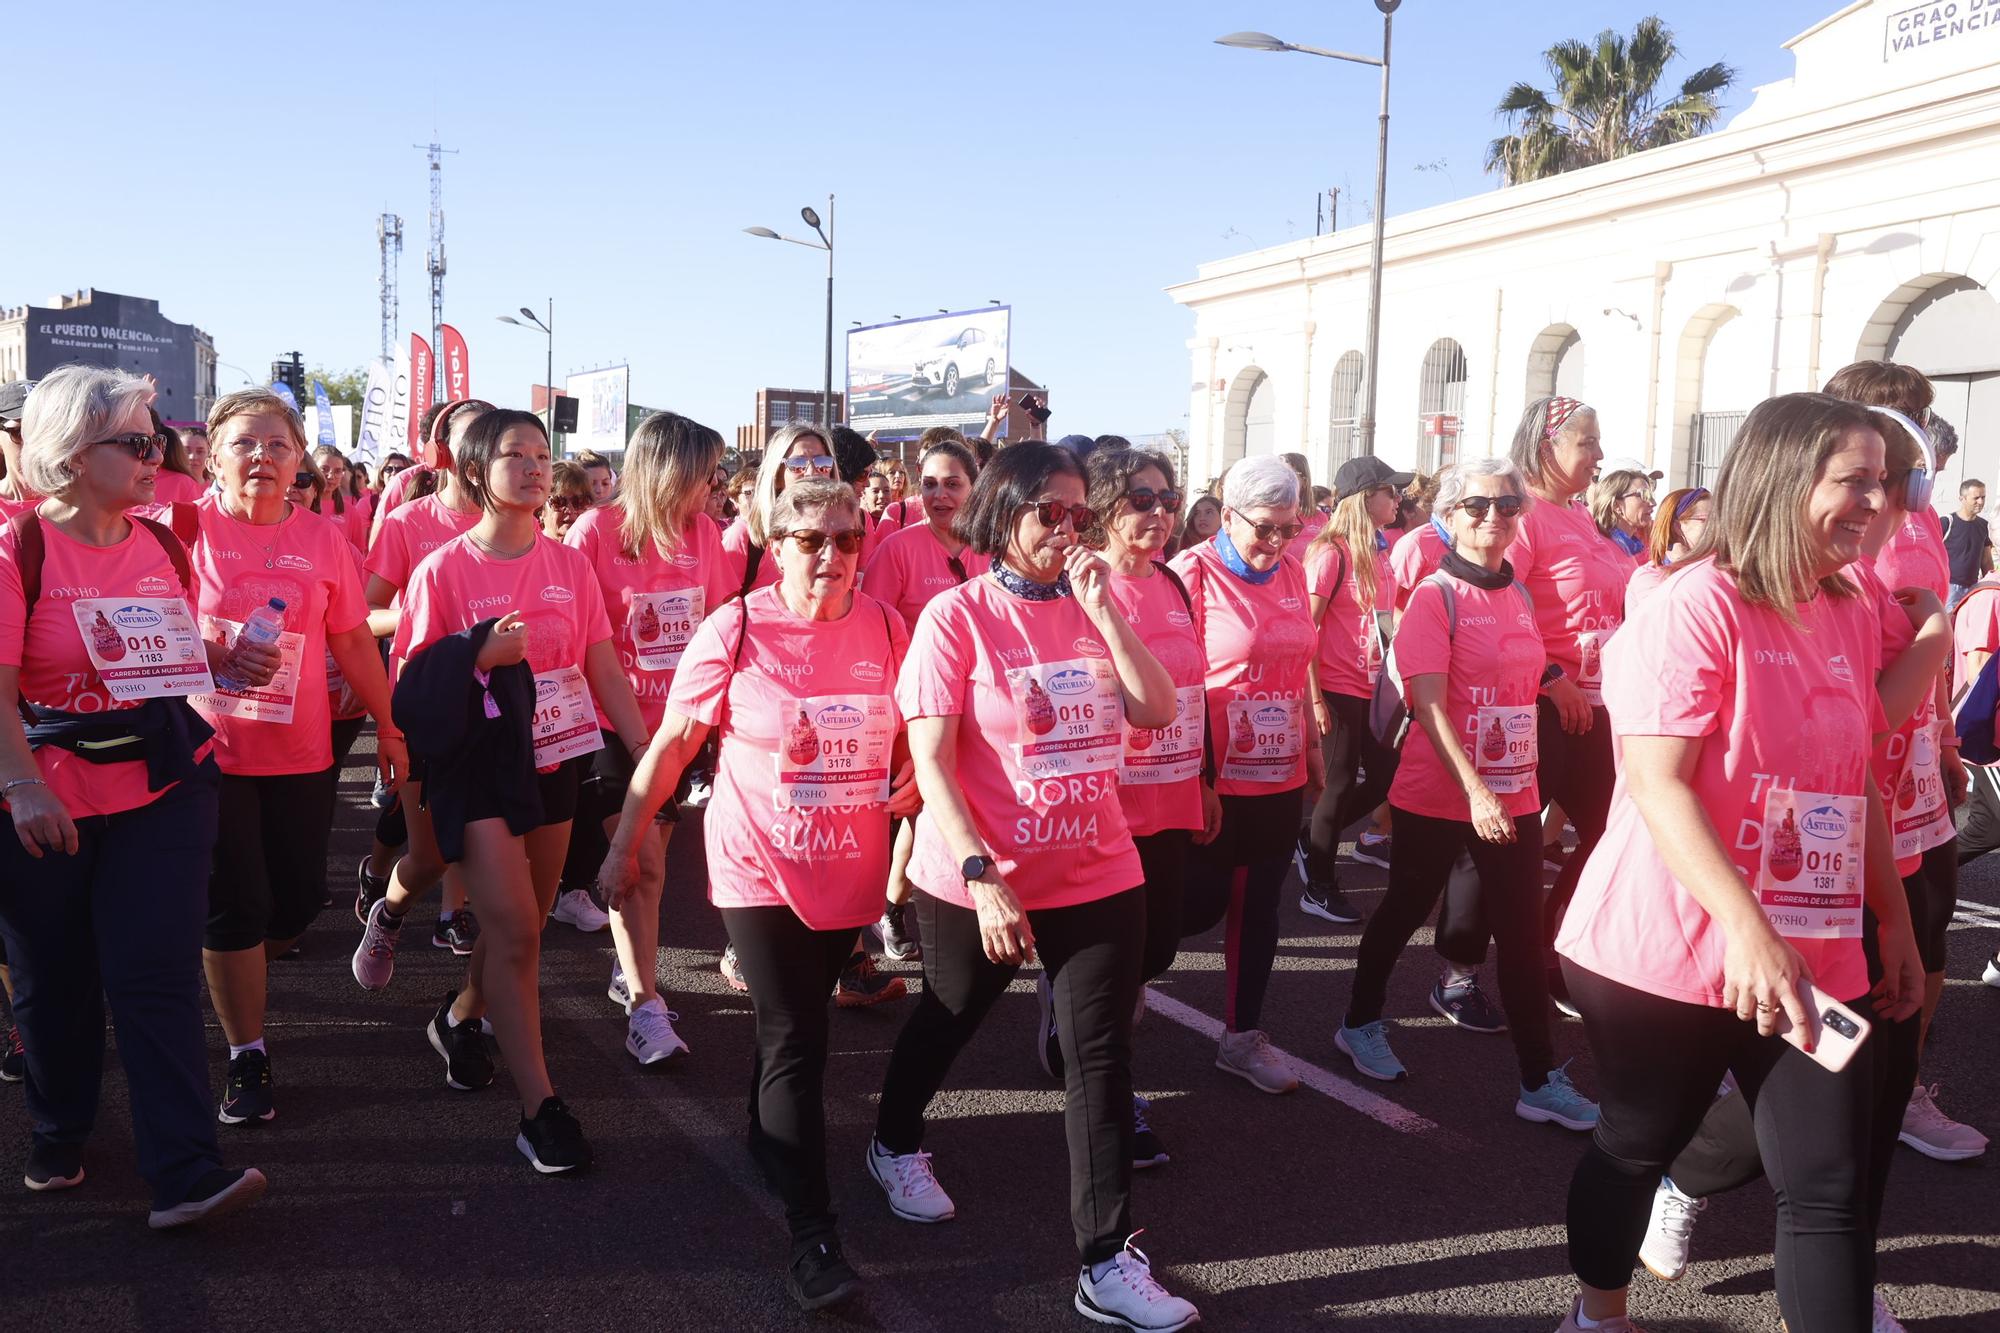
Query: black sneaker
553, 1142
1467, 1006
217, 1194
467, 1065
53, 1166
1147, 1150
1372, 851
899, 944
370, 888
821, 1277
457, 932
860, 985
1328, 903
14, 1058
247, 1095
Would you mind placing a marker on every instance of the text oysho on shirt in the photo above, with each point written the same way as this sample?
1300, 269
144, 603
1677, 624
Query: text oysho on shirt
910, 567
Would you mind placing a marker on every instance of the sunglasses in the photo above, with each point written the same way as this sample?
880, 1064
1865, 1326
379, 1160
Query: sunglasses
1479, 505
812, 542
144, 446
1053, 512
303, 480
1266, 531
563, 504
1143, 499
816, 463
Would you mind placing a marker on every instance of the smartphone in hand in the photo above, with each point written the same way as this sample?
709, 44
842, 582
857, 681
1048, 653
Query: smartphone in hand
1833, 1032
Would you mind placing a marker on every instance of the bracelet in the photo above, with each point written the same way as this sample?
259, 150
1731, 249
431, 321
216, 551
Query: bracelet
20, 782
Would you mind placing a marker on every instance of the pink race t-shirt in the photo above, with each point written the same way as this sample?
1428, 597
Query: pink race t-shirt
1914, 556
1492, 663
1313, 521
1350, 653
1646, 581
10, 506
1975, 628
807, 727
341, 700
655, 601
736, 546
170, 488
412, 533
1156, 786
910, 567
1038, 744
1905, 761
458, 585
1258, 640
1414, 558
397, 493
307, 563
57, 672
1577, 577
1785, 714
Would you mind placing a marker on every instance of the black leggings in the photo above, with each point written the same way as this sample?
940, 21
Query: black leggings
1577, 773
1163, 859
1091, 953
1933, 895
267, 878
1462, 931
1510, 876
1658, 1064
1358, 770
791, 969
1239, 875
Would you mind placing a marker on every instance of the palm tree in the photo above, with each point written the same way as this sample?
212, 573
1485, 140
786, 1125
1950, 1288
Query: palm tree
1604, 105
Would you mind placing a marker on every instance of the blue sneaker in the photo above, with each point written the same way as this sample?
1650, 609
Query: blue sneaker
1368, 1047
1558, 1102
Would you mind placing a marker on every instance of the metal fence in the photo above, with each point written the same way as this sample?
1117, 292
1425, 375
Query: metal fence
1714, 432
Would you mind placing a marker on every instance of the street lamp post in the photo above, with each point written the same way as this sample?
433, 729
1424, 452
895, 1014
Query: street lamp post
825, 242
1263, 41
549, 328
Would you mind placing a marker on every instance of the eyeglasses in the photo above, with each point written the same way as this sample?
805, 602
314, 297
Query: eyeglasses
812, 542
816, 463
1647, 496
1478, 506
245, 446
143, 446
564, 504
1053, 512
1266, 531
1143, 498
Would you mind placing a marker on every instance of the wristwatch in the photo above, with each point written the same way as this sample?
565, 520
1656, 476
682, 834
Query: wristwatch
975, 866
1552, 673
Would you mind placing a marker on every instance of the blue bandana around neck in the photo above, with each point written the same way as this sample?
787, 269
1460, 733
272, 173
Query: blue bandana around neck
1233, 561
1444, 533
1026, 588
1632, 545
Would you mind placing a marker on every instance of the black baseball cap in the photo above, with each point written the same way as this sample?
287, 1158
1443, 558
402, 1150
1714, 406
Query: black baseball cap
14, 399
1361, 474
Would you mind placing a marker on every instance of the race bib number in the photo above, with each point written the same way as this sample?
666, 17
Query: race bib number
565, 721
662, 624
1071, 717
1170, 753
1590, 656
272, 701
1919, 803
143, 647
834, 751
1505, 752
1266, 738
1809, 883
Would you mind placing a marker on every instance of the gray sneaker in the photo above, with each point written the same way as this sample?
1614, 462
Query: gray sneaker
375, 957
1368, 1047
1249, 1056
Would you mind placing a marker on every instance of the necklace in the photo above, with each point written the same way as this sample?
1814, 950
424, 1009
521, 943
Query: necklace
496, 552
270, 548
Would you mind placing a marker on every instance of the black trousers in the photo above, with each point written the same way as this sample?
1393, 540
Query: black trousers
1462, 931
120, 920
1358, 771
346, 731
269, 875
1510, 878
1163, 859
1658, 1064
1092, 955
1578, 773
1239, 875
791, 969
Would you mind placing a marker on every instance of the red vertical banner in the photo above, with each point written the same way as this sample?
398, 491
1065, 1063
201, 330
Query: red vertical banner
457, 365
423, 388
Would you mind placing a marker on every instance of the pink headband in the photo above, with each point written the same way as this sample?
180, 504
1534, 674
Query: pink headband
1560, 411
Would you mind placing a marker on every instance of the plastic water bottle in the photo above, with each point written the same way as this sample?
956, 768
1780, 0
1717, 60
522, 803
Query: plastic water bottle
265, 624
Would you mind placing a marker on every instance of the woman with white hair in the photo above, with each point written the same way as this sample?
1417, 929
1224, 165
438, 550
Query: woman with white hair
1249, 603
112, 789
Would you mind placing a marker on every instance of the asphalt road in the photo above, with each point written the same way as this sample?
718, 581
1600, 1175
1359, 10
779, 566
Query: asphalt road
1422, 1205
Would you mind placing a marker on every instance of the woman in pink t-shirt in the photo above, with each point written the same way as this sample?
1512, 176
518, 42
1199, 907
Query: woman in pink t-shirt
794, 453
258, 551
502, 789
659, 563
1747, 852
797, 683
103, 887
1678, 526
1257, 637
1016, 690
1349, 580
1471, 661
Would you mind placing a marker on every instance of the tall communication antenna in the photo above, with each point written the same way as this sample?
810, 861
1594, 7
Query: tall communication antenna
434, 260
389, 235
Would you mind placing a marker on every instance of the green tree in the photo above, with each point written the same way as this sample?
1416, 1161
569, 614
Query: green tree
1605, 105
343, 387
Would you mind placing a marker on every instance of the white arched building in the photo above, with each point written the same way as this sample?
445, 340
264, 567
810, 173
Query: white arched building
1850, 211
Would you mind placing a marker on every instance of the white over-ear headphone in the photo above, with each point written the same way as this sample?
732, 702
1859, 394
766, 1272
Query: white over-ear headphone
1917, 482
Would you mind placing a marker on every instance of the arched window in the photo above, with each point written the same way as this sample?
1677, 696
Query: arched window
1344, 426
1440, 405
1952, 333
1249, 418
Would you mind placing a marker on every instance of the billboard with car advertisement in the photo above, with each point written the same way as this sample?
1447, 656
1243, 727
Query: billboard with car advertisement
941, 370
601, 396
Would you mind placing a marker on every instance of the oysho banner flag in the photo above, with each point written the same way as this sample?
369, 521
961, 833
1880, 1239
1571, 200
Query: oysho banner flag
423, 388
457, 365
320, 401
377, 403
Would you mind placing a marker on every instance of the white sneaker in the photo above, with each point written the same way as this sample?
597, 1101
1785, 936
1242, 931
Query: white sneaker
1991, 976
1884, 1321
1249, 1056
375, 957
1933, 1133
1127, 1296
649, 1034
1615, 1324
619, 992
914, 1194
1670, 1233
577, 908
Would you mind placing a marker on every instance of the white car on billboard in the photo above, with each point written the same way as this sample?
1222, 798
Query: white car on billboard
970, 353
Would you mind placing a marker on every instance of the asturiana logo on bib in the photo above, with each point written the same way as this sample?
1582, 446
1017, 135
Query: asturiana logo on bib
1090, 647
136, 617
298, 562
1825, 822
1072, 681
1837, 664
839, 717
868, 671
1274, 716
547, 689
557, 594
150, 586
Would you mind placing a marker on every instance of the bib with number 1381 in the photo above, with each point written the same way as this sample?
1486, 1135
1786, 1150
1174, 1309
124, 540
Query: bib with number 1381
1809, 881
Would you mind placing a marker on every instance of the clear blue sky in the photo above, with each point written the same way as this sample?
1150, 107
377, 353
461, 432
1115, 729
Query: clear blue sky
1069, 159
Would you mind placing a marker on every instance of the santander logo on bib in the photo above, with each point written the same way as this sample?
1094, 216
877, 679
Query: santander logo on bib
557, 594
150, 586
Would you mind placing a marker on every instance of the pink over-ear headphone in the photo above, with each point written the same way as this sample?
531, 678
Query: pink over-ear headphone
1918, 481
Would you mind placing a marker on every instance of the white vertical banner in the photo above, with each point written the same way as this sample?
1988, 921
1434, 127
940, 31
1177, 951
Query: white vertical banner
377, 411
